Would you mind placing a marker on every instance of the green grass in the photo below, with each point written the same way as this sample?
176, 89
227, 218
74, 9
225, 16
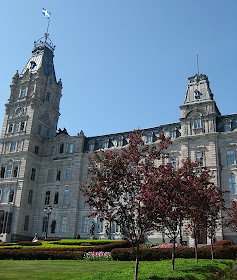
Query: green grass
113, 270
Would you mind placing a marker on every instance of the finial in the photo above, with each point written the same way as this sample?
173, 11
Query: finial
16, 75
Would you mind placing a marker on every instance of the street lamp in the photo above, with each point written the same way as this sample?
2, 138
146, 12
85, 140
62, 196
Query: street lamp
47, 211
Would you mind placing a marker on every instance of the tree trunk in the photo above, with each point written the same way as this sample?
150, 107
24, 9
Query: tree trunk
195, 245
137, 262
212, 249
173, 253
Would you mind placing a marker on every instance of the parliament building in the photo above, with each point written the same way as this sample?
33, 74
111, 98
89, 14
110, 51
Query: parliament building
42, 167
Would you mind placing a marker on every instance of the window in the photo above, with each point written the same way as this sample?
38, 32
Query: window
5, 194
91, 145
197, 123
47, 198
66, 197
70, 148
56, 198
58, 177
16, 127
197, 94
45, 225
53, 150
105, 144
23, 92
53, 226
228, 127
120, 142
26, 223
115, 227
174, 162
173, 134
61, 149
47, 96
30, 196
13, 147
47, 133
230, 157
149, 138
10, 127
33, 172
22, 126
9, 172
2, 172
199, 157
64, 224
100, 224
68, 174
36, 150
39, 129
85, 225
232, 185
11, 196
50, 81
15, 171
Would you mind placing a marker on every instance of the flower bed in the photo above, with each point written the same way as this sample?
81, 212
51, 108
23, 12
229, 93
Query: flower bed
98, 256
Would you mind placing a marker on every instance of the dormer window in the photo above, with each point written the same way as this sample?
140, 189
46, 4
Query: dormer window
149, 138
173, 134
23, 92
91, 145
32, 65
197, 123
105, 144
120, 142
228, 126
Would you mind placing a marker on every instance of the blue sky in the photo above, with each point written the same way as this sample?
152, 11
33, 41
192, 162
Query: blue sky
124, 64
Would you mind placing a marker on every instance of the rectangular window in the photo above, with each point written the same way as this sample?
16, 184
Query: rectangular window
173, 134
230, 157
149, 139
66, 197
174, 162
199, 157
86, 225
10, 127
70, 148
3, 172
30, 196
23, 92
47, 96
58, 177
22, 126
5, 195
13, 147
53, 151
33, 172
36, 150
16, 127
68, 174
9, 172
197, 123
26, 223
15, 171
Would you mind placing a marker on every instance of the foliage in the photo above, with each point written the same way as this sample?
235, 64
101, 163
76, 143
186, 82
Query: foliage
114, 190
222, 243
87, 242
97, 256
52, 239
232, 216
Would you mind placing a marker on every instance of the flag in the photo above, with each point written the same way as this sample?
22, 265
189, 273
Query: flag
46, 13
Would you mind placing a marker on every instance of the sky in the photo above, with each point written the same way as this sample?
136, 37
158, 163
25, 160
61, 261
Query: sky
124, 64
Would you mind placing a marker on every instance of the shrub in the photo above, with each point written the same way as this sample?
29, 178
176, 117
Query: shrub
98, 256
81, 242
222, 243
31, 254
52, 239
29, 243
128, 254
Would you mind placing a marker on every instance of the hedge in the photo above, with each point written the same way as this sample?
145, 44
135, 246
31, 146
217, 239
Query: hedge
28, 254
85, 242
220, 252
222, 243
29, 243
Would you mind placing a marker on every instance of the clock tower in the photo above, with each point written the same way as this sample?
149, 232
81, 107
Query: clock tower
31, 117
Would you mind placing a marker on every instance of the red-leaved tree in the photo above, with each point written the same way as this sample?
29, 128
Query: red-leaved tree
232, 216
115, 184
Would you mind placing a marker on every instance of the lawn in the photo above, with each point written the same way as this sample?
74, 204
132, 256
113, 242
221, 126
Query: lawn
112, 270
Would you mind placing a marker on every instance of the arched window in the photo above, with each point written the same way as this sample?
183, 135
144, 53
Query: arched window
64, 224
53, 226
47, 197
56, 198
30, 196
197, 123
115, 227
26, 223
232, 184
11, 196
85, 225
61, 149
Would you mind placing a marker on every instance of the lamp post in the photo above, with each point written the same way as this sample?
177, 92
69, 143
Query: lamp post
47, 211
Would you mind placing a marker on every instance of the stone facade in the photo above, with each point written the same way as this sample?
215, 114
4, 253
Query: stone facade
42, 167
